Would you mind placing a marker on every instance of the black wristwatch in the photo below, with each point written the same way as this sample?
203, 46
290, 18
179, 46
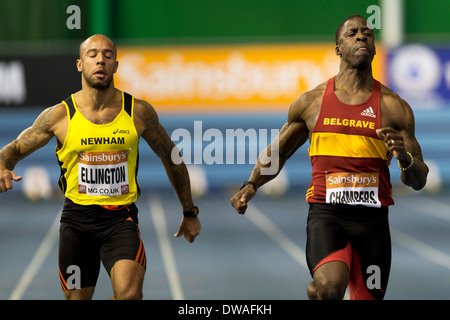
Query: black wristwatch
246, 183
191, 213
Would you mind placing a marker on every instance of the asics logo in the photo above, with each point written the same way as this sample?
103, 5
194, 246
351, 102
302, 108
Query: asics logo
121, 131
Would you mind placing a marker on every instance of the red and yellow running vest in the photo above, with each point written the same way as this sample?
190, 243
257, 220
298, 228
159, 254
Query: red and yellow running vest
350, 162
99, 162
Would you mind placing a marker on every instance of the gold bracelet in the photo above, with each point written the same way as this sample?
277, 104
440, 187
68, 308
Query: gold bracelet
410, 164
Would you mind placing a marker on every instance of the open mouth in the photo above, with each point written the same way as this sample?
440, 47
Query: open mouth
362, 49
100, 74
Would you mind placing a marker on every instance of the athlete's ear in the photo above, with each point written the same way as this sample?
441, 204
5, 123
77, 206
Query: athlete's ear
337, 50
116, 66
79, 65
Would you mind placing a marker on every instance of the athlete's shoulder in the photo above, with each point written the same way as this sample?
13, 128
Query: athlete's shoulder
313, 94
395, 111
145, 114
387, 92
311, 99
55, 113
392, 101
58, 108
143, 108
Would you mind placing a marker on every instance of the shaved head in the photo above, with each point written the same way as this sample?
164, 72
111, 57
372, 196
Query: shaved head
96, 37
97, 61
341, 26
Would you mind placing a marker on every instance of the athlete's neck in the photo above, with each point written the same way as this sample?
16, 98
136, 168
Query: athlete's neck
354, 80
95, 99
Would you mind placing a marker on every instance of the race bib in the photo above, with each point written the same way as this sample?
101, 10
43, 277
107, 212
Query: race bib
103, 173
353, 188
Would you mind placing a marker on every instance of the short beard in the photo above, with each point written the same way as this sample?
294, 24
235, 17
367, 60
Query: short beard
98, 85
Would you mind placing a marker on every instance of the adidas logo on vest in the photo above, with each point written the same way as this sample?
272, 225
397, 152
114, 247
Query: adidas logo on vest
369, 113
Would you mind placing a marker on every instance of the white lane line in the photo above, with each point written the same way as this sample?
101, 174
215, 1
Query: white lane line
271, 230
38, 259
429, 206
421, 248
159, 221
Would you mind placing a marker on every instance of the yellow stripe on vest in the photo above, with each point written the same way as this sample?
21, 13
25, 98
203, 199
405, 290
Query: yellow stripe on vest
346, 145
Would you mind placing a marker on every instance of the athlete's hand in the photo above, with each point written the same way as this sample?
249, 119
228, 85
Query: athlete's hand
394, 142
189, 228
6, 179
242, 197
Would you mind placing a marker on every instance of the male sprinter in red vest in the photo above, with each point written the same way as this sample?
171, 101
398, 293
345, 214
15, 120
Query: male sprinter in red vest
355, 125
97, 131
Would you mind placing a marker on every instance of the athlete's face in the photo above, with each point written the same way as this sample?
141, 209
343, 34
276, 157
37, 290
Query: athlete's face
97, 61
356, 43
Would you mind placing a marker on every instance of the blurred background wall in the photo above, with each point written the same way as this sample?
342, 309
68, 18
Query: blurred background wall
225, 64
178, 21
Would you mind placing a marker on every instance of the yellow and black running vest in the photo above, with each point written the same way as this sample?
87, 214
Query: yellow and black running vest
99, 162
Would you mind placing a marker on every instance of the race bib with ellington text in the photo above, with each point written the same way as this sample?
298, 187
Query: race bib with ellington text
103, 173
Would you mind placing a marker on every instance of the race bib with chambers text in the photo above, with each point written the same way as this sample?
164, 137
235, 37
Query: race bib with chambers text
353, 188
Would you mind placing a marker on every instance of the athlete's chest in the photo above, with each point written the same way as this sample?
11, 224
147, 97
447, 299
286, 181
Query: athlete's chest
352, 98
118, 134
101, 117
336, 116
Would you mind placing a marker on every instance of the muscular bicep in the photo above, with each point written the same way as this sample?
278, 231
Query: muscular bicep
302, 117
36, 136
295, 132
291, 137
410, 141
159, 141
152, 131
406, 125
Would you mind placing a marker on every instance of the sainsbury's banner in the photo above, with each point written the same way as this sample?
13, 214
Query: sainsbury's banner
227, 78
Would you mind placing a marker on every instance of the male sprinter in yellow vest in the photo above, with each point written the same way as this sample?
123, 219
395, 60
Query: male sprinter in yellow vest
97, 131
355, 125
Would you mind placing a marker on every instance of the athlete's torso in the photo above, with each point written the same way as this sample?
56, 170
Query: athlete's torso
350, 162
99, 162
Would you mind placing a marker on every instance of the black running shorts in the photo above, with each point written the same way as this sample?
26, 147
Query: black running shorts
356, 235
90, 234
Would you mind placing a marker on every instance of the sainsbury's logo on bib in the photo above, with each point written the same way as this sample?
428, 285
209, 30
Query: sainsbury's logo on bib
353, 188
103, 173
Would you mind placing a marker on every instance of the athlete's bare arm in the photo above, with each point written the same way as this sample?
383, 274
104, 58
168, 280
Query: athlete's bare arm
302, 116
148, 126
48, 124
398, 133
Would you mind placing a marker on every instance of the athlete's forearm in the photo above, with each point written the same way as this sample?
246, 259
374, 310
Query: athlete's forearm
416, 176
26, 143
9, 156
266, 170
179, 178
270, 162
